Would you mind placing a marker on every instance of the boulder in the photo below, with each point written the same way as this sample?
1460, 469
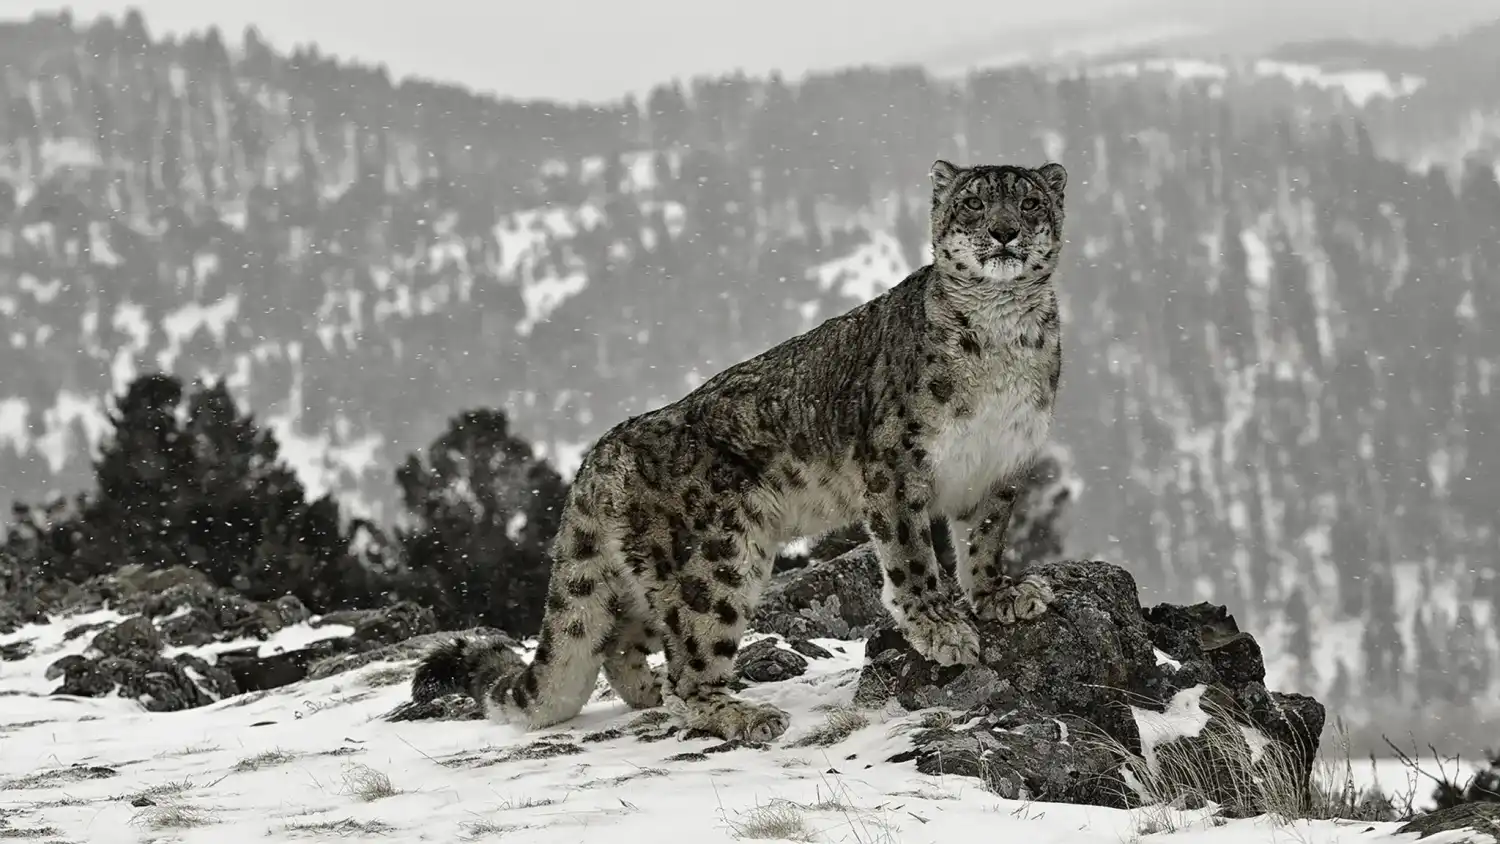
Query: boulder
386, 625
253, 672
1482, 818
135, 638
766, 661
809, 649
1057, 704
836, 599
18, 650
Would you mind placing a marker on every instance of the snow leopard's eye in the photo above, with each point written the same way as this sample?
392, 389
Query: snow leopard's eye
974, 203
1030, 203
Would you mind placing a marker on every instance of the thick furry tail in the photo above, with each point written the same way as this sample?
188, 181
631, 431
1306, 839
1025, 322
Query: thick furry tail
463, 665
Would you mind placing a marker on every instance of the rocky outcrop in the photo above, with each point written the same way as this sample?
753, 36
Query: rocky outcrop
179, 608
127, 657
1058, 704
833, 590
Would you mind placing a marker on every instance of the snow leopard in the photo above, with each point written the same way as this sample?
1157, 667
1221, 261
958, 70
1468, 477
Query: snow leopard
928, 402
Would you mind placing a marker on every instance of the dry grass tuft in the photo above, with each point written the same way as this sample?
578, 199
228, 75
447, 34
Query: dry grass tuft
510, 805
788, 820
778, 820
1334, 794
475, 830
154, 793
268, 759
839, 725
171, 816
368, 784
198, 749
341, 828
17, 833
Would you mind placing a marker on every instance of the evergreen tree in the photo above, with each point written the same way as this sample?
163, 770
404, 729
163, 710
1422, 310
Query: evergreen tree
485, 508
186, 478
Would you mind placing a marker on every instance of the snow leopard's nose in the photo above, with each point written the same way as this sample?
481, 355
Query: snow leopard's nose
1005, 235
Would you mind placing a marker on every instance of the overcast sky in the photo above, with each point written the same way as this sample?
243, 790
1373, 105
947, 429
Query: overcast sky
602, 49
589, 49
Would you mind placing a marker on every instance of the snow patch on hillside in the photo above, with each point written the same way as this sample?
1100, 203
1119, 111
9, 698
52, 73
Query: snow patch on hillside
1359, 86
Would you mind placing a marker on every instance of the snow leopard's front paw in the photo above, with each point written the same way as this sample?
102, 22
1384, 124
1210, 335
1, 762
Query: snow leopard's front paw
941, 634
1013, 602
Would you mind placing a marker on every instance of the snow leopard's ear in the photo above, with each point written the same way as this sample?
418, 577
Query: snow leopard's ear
943, 175
1055, 177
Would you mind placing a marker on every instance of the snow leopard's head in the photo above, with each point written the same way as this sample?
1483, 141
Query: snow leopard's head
1000, 223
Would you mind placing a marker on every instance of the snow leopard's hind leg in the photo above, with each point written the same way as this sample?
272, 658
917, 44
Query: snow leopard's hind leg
625, 665
705, 606
589, 601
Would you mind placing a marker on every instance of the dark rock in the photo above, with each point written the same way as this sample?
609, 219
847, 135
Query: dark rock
1483, 818
1207, 631
82, 630
1049, 708
211, 677
161, 685
253, 672
1087, 656
1213, 650
289, 610
836, 599
17, 651
137, 579
12, 617
1026, 756
736, 744
64, 665
810, 650
60, 597
135, 639
766, 661
195, 613
190, 629
191, 610
386, 625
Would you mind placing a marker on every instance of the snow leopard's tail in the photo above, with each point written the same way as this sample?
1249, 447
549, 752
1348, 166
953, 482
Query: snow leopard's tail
470, 666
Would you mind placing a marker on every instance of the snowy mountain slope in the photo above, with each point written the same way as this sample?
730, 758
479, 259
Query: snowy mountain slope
314, 761
363, 259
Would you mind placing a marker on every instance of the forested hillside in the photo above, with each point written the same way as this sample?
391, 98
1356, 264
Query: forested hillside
1282, 288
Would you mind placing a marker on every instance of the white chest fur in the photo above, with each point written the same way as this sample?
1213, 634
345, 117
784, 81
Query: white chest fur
1004, 435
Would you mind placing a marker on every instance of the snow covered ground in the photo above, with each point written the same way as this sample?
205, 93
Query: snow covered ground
314, 762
